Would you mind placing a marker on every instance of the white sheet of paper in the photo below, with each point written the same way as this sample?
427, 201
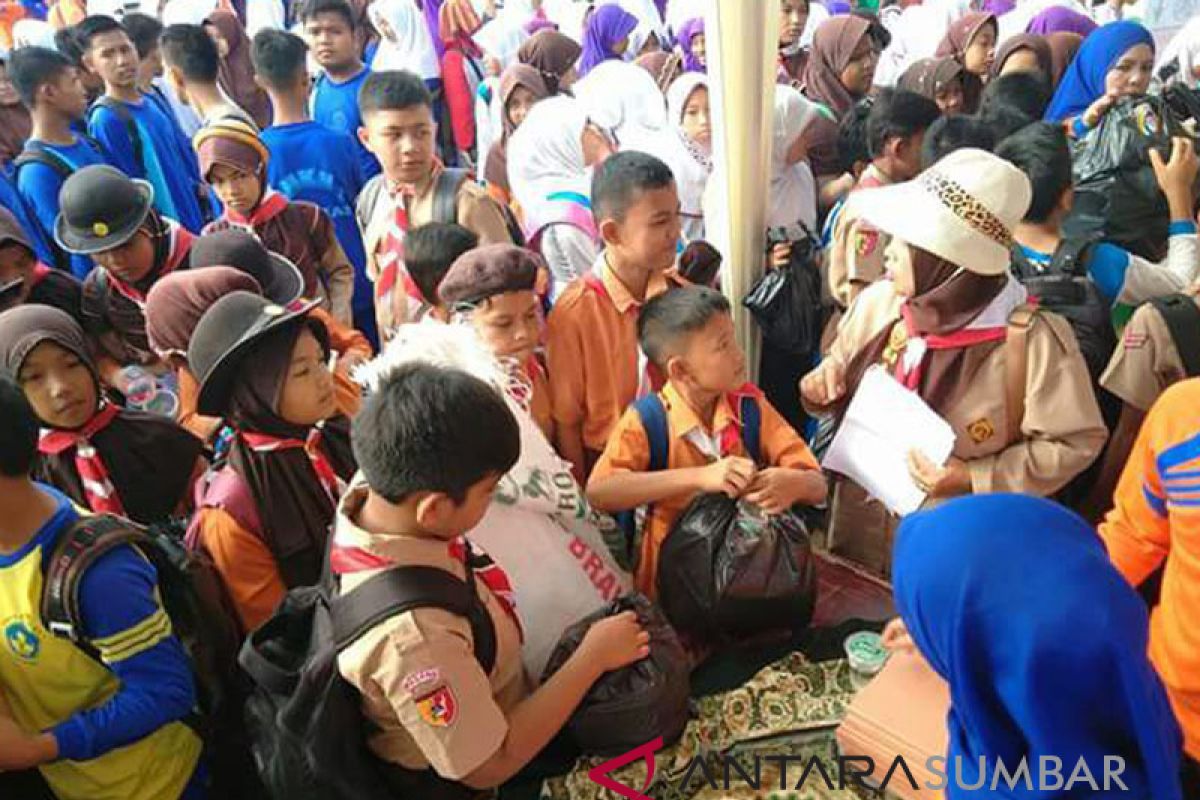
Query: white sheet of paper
883, 423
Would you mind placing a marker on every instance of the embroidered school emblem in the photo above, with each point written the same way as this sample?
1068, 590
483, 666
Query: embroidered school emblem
981, 430
22, 641
439, 708
865, 243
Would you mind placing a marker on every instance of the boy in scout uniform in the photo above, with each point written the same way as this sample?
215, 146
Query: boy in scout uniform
432, 443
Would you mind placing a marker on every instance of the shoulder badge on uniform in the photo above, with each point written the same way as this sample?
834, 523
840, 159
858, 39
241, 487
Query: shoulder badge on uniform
439, 708
865, 242
415, 680
1133, 340
981, 430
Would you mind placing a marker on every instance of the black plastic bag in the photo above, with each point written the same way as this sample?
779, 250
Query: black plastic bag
631, 706
786, 302
727, 570
1117, 197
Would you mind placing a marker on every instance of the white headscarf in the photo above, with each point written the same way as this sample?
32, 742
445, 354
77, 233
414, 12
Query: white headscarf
501, 39
1016, 21
183, 12
545, 155
680, 11
817, 14
624, 99
33, 33
649, 20
689, 162
413, 49
793, 188
915, 35
1183, 50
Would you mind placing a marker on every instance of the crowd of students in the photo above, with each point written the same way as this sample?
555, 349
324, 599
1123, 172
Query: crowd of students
341, 286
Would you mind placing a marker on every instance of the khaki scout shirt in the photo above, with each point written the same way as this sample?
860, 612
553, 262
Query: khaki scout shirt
856, 249
417, 672
1146, 360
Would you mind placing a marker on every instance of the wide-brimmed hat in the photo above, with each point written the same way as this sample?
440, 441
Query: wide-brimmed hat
963, 209
224, 335
279, 278
100, 208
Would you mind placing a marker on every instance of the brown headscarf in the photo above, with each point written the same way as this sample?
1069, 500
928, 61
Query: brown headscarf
929, 75
833, 44
1026, 41
663, 66
175, 304
946, 299
1063, 47
962, 31
149, 459
236, 75
523, 75
552, 54
15, 127
293, 505
50, 287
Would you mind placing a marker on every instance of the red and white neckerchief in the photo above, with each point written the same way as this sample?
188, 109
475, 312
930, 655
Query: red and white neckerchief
265, 443
345, 560
179, 245
101, 495
910, 366
724, 442
40, 271
272, 205
650, 377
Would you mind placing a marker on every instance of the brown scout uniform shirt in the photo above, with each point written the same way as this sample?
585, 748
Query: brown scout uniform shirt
1061, 431
417, 672
1145, 362
856, 250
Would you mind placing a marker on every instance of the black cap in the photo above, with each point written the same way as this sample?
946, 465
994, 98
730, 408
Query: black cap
100, 208
279, 278
226, 331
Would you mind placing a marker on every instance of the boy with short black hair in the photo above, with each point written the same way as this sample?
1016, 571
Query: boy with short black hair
108, 726
414, 189
432, 443
145, 30
429, 252
895, 129
330, 28
1023, 94
192, 64
309, 161
50, 88
688, 334
955, 133
595, 366
142, 140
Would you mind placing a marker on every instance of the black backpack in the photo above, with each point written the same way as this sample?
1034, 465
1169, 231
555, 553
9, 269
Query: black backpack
202, 617
305, 721
37, 153
1182, 316
1065, 288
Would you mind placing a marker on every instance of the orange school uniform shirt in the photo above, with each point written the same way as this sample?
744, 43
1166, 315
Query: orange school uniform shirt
692, 444
1157, 517
592, 352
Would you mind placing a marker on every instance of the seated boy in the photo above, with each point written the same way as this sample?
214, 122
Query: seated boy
896, 127
234, 161
432, 444
688, 334
596, 369
429, 252
107, 727
25, 279
398, 127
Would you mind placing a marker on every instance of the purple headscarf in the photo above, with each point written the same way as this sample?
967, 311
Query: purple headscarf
605, 27
432, 9
688, 31
999, 7
1061, 20
838, 7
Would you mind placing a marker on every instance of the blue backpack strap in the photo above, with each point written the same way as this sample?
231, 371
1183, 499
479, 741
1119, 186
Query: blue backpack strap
654, 421
751, 414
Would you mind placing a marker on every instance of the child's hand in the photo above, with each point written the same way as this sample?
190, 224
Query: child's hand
824, 385
731, 475
615, 642
897, 638
780, 255
777, 489
1096, 111
948, 481
1177, 176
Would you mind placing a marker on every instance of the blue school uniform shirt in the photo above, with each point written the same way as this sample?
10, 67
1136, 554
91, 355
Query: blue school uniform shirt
11, 199
170, 164
39, 185
312, 162
335, 105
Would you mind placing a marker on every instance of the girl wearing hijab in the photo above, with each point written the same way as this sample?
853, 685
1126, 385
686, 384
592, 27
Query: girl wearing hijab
1013, 697
946, 324
236, 74
552, 54
793, 49
1025, 53
462, 71
105, 458
692, 42
687, 149
939, 79
840, 70
548, 159
265, 515
25, 279
1063, 48
606, 36
624, 101
404, 42
521, 86
1116, 61
971, 41
1060, 19
1180, 60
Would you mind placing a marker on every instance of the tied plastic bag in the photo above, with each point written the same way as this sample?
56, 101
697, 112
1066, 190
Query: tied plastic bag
1117, 197
728, 570
786, 301
633, 705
